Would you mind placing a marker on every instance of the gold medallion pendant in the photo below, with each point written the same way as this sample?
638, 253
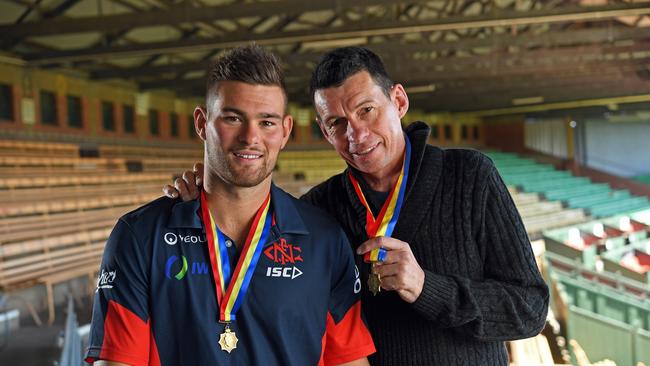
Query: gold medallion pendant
228, 340
374, 283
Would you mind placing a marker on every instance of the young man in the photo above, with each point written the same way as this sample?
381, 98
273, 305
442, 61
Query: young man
242, 275
449, 269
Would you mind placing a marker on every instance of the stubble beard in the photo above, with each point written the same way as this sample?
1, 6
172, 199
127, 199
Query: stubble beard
230, 173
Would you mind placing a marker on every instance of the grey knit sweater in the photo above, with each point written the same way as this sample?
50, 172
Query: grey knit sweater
482, 285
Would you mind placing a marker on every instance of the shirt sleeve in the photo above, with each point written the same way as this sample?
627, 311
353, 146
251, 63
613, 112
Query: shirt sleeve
346, 335
120, 327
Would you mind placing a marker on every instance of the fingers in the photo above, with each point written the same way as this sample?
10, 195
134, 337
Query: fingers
198, 171
404, 277
181, 187
397, 256
170, 191
381, 242
190, 183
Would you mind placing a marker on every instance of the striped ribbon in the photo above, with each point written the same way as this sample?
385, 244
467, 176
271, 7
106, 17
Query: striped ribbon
384, 223
231, 290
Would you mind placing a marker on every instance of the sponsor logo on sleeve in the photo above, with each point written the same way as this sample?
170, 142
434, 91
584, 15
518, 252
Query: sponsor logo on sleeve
106, 279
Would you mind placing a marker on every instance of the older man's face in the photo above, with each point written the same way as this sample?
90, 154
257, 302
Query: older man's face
362, 123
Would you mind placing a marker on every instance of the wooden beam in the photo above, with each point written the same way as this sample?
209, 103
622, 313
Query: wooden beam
176, 14
354, 30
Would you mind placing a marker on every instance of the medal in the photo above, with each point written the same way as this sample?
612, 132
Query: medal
231, 290
374, 283
384, 223
228, 340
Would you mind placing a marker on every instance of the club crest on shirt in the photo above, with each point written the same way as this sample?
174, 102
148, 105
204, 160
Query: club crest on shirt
285, 256
283, 252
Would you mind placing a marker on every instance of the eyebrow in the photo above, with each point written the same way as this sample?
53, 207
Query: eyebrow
242, 113
369, 100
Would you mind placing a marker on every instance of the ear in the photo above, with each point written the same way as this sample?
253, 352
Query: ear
200, 121
287, 126
401, 100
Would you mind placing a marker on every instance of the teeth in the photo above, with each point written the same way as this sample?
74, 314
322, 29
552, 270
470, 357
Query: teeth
365, 151
247, 156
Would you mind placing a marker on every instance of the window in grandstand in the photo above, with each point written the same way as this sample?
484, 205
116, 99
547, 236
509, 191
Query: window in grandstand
154, 127
191, 132
173, 122
464, 132
108, 116
447, 132
476, 133
48, 108
434, 131
316, 133
6, 103
129, 118
75, 118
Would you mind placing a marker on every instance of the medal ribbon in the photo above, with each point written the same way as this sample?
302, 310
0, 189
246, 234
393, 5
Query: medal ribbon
231, 290
384, 223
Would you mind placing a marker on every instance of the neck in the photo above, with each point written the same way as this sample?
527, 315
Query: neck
234, 208
385, 179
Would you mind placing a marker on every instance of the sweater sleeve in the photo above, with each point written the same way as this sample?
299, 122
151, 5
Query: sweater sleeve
512, 299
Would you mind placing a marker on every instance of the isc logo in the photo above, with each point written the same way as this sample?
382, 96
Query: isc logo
284, 272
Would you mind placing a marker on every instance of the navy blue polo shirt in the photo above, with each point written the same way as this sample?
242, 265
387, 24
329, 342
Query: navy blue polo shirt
155, 302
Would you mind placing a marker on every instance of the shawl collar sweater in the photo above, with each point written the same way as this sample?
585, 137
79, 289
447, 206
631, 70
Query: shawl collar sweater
482, 285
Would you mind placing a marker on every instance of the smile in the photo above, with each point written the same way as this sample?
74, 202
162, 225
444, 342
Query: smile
366, 151
248, 156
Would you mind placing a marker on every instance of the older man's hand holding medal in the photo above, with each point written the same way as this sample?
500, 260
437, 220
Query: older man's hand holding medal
399, 271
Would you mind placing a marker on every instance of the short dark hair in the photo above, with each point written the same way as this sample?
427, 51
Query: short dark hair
250, 64
339, 64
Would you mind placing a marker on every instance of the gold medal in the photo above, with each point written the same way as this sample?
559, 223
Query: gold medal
374, 283
228, 340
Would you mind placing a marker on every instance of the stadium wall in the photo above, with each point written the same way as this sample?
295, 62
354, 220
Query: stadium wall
618, 148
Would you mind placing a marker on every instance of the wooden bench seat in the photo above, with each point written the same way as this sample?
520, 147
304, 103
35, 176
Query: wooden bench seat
35, 226
142, 152
34, 208
40, 195
46, 232
37, 148
8, 182
75, 162
538, 223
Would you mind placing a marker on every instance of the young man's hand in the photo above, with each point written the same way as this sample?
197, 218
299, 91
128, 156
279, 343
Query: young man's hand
188, 186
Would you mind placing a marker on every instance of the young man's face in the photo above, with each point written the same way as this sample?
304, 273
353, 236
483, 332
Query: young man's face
362, 123
244, 128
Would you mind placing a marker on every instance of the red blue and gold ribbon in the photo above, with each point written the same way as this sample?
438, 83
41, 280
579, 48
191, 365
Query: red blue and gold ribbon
384, 223
231, 289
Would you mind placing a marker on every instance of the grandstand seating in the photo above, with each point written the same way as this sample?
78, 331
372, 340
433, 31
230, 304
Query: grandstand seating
576, 192
58, 210
603, 301
607, 322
